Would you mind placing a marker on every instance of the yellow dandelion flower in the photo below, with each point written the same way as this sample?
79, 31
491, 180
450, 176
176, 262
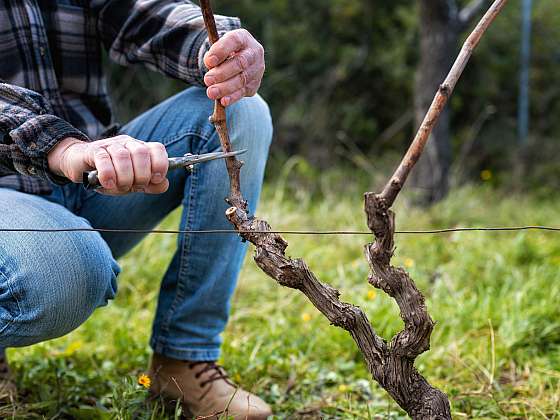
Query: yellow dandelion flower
342, 388
144, 380
486, 175
371, 294
409, 262
305, 317
73, 347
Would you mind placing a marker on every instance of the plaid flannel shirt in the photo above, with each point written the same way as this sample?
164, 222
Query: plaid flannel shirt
52, 82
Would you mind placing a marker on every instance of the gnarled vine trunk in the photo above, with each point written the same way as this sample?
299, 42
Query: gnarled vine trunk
391, 364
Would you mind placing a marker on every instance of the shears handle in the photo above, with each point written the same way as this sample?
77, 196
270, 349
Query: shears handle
90, 179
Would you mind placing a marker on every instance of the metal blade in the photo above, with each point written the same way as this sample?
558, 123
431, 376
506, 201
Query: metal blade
190, 160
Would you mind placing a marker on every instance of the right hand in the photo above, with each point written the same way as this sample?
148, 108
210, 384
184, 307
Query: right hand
123, 163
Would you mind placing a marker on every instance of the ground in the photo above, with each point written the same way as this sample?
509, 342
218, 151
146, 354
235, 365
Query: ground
495, 348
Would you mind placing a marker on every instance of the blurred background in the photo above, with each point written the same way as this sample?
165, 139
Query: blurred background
349, 80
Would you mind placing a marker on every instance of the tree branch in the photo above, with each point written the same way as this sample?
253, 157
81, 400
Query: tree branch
391, 365
445, 90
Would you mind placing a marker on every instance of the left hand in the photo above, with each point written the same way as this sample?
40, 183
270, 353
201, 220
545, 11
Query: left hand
236, 67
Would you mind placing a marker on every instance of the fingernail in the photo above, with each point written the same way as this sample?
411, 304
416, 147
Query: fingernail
212, 61
210, 80
226, 100
157, 178
214, 92
110, 184
138, 189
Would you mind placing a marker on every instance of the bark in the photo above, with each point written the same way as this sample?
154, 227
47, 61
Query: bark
391, 364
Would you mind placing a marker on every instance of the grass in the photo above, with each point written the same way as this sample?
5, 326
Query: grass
495, 349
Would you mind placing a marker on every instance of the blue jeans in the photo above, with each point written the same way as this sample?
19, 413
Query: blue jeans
50, 283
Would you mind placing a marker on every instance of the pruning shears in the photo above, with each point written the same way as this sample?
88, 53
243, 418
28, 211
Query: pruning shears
187, 162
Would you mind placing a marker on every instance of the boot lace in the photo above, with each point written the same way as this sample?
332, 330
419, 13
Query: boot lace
218, 373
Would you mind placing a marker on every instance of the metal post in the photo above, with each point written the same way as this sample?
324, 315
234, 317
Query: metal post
523, 105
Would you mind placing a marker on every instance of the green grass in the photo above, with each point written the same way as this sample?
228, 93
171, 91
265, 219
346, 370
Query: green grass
495, 349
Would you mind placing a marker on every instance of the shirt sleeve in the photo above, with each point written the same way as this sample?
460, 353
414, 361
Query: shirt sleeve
165, 35
28, 131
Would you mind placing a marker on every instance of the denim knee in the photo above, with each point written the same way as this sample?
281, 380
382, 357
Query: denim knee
249, 120
91, 284
51, 291
250, 123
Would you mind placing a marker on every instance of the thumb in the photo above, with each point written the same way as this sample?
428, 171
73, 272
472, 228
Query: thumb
77, 159
57, 156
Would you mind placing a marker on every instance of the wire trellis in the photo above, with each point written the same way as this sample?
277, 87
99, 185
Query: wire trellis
288, 232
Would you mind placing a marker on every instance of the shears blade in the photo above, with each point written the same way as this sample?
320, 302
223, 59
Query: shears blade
190, 159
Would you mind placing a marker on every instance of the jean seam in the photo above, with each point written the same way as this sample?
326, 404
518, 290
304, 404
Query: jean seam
181, 354
193, 350
161, 341
14, 295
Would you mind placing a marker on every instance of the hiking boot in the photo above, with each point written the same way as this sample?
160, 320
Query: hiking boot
204, 390
8, 390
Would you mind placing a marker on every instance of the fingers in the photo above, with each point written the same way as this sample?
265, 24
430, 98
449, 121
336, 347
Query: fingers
150, 189
248, 89
159, 161
227, 88
236, 64
227, 45
122, 162
248, 81
241, 81
233, 97
126, 165
105, 170
157, 188
141, 164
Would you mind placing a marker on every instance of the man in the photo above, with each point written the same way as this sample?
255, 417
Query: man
53, 107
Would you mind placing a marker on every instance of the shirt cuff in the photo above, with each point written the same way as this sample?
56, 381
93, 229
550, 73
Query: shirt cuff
34, 139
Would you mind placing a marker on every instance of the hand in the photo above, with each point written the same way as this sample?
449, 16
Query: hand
236, 67
123, 164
